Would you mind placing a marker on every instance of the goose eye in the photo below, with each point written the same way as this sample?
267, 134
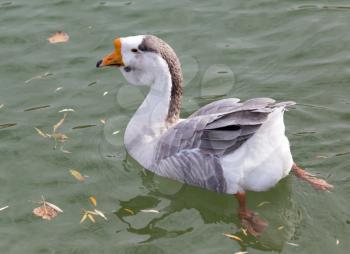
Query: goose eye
134, 50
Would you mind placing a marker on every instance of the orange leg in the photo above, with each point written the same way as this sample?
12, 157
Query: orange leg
317, 183
250, 220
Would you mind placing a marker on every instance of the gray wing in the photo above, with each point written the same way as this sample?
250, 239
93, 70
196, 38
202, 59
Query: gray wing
190, 151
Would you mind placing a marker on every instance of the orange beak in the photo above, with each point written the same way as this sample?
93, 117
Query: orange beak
115, 58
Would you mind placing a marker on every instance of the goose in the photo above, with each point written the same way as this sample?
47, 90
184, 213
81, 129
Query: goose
228, 146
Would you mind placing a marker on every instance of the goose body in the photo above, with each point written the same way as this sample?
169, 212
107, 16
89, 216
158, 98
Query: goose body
226, 146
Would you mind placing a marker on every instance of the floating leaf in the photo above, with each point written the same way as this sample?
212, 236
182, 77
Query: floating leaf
244, 231
83, 218
54, 207
103, 120
92, 83
84, 126
89, 215
77, 175
58, 37
7, 125
233, 237
3, 208
337, 242
36, 108
263, 203
1, 106
150, 211
105, 93
280, 228
292, 244
116, 132
129, 211
58, 89
64, 151
241, 252
98, 212
41, 133
61, 137
46, 212
93, 200
60, 122
66, 110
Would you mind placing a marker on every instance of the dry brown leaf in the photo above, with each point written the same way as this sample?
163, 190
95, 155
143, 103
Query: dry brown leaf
58, 37
77, 175
129, 211
46, 212
89, 215
93, 201
60, 137
41, 133
233, 237
60, 122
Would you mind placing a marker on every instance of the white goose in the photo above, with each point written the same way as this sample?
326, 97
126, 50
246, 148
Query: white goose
226, 146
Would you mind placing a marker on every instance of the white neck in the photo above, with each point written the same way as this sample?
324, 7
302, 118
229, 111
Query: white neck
149, 121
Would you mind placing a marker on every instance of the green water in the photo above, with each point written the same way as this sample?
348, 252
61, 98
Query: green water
288, 50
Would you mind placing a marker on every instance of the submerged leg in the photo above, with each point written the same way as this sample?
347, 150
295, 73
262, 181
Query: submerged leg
249, 219
314, 181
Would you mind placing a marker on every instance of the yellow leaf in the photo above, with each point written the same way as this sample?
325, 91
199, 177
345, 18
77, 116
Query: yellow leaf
241, 252
244, 231
233, 237
91, 217
77, 175
60, 122
103, 120
129, 211
280, 228
41, 133
83, 218
93, 200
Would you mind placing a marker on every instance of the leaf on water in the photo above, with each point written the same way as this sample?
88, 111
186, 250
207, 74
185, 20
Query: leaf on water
233, 237
92, 83
46, 212
337, 241
64, 151
129, 211
263, 203
3, 208
149, 211
89, 215
241, 252
98, 212
292, 244
54, 207
58, 37
84, 126
105, 93
61, 137
58, 89
36, 108
41, 133
321, 157
116, 132
1, 106
66, 110
93, 200
77, 175
103, 120
60, 122
84, 217
7, 125
280, 228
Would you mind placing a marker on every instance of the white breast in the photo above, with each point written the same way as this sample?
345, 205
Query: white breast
261, 161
